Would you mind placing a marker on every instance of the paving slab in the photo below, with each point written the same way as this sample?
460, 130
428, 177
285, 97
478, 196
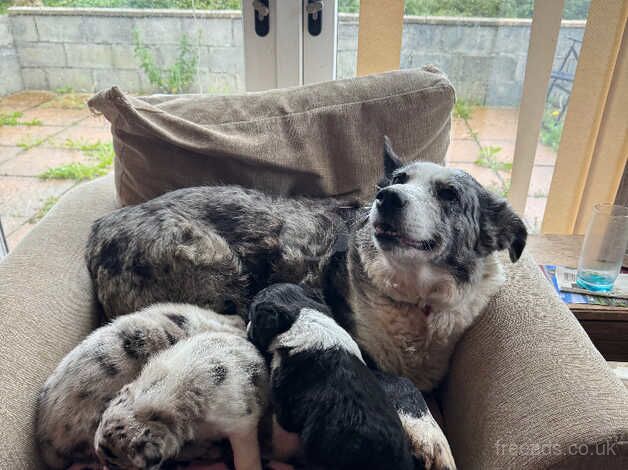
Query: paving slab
14, 135
485, 176
56, 117
462, 151
22, 196
96, 120
14, 238
540, 181
37, 160
10, 224
8, 152
25, 99
495, 123
533, 214
84, 134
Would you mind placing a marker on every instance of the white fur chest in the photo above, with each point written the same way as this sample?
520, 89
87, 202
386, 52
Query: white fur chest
411, 323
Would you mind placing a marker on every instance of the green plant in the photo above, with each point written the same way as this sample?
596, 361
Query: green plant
64, 90
175, 79
43, 210
487, 158
30, 142
463, 109
13, 119
551, 128
101, 153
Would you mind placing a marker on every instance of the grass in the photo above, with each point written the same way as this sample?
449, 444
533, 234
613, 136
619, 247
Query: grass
100, 153
13, 119
43, 210
30, 142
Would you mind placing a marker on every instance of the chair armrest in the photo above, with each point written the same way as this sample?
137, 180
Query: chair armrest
46, 308
527, 387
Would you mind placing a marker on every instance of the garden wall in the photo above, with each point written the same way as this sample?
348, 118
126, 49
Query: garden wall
10, 73
89, 49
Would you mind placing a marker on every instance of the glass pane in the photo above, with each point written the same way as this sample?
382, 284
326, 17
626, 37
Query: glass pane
51, 63
482, 46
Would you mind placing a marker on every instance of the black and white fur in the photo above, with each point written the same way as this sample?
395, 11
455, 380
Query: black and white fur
75, 395
209, 387
321, 390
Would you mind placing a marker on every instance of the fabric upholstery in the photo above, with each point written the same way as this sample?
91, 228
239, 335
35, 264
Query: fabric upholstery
322, 139
526, 374
46, 308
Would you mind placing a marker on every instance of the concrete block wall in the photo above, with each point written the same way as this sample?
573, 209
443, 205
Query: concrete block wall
89, 49
10, 72
485, 58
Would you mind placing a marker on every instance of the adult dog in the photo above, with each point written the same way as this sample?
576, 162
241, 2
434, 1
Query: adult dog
405, 275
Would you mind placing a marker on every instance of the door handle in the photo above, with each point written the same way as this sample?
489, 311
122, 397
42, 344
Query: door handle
262, 17
314, 10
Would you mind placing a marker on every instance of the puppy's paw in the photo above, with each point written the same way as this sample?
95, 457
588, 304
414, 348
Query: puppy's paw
428, 443
267, 320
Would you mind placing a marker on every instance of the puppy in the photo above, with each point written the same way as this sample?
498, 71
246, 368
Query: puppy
75, 395
208, 387
427, 441
321, 390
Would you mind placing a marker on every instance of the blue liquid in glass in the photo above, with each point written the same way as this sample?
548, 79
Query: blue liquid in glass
595, 281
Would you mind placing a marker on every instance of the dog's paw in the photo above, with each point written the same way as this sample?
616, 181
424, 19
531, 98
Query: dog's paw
428, 443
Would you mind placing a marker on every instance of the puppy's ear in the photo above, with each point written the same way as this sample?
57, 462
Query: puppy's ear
500, 227
391, 159
266, 321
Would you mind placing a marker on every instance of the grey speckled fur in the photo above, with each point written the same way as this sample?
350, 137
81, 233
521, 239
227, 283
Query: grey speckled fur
209, 387
210, 246
74, 396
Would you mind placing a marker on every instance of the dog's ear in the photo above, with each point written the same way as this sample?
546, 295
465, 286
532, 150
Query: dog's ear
500, 227
391, 159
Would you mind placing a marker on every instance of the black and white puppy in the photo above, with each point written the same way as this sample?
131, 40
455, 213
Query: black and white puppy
327, 404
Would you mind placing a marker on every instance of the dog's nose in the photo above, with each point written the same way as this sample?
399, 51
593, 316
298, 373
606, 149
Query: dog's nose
389, 200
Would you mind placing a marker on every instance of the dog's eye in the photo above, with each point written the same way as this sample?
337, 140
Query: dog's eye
447, 193
400, 178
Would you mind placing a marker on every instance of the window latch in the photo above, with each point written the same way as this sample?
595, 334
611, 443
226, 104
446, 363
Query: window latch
262, 17
314, 10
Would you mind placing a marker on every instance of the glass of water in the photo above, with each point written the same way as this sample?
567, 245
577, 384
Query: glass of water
603, 248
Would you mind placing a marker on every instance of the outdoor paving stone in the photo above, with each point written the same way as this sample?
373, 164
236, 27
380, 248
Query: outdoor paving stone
84, 134
37, 160
7, 152
13, 135
540, 180
533, 214
495, 123
96, 120
10, 224
484, 176
22, 196
462, 151
25, 99
544, 155
56, 117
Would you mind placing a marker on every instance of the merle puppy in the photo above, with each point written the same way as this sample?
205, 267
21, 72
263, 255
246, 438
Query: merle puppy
321, 391
405, 275
75, 395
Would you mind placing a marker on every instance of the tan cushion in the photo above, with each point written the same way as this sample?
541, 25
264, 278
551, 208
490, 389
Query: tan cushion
317, 140
46, 307
526, 374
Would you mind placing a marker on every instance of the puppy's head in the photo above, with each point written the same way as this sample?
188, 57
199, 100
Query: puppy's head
132, 438
274, 310
423, 211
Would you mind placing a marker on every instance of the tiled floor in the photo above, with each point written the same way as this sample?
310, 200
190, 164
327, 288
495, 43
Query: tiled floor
27, 151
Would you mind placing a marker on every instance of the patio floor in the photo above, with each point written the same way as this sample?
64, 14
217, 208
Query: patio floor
53, 130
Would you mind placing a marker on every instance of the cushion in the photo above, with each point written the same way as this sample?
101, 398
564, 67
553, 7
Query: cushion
318, 140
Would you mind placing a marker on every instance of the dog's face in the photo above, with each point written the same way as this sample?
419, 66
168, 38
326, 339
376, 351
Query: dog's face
426, 212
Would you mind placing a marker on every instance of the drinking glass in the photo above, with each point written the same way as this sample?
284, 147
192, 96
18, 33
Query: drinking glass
603, 248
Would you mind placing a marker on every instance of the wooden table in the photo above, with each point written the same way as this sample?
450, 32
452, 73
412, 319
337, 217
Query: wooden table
608, 329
